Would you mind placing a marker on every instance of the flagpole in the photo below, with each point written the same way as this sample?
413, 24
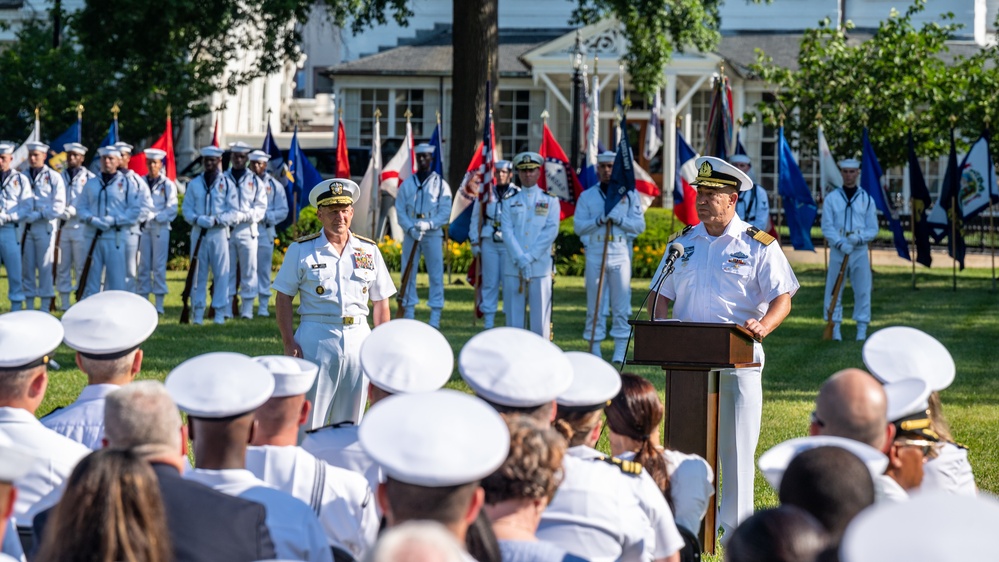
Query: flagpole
377, 179
79, 122
992, 243
912, 213
115, 110
953, 241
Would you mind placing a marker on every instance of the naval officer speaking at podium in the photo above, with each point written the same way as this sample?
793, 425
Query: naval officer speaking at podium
729, 271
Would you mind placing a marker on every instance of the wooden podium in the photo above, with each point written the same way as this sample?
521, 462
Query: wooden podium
691, 353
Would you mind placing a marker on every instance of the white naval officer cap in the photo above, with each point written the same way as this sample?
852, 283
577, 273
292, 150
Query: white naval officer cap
240, 147
435, 439
109, 150
35, 146
123, 147
292, 375
27, 339
528, 161
849, 164
211, 151
75, 148
908, 408
739, 159
336, 191
219, 385
406, 356
7, 148
514, 368
606, 157
259, 156
424, 148
715, 172
15, 461
774, 462
594, 383
951, 528
154, 154
900, 352
109, 324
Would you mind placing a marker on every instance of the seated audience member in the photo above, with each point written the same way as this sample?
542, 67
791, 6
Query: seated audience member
914, 440
782, 534
424, 541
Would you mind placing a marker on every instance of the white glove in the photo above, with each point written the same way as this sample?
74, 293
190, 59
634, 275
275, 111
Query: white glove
206, 221
162, 217
108, 220
32, 216
415, 233
99, 223
854, 239
423, 226
846, 247
476, 250
4, 218
601, 220
525, 272
524, 261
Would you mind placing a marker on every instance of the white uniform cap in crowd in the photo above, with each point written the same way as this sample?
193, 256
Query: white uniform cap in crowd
849, 164
123, 147
514, 367
715, 172
406, 356
528, 161
7, 148
154, 154
28, 338
292, 375
906, 397
15, 461
240, 147
740, 159
211, 151
75, 147
424, 148
929, 527
594, 383
109, 324
109, 150
504, 165
35, 146
435, 439
900, 352
606, 157
774, 462
259, 156
219, 385
336, 191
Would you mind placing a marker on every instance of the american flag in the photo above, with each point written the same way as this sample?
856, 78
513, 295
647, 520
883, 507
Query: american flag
488, 166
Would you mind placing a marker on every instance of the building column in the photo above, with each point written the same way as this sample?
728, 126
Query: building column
669, 142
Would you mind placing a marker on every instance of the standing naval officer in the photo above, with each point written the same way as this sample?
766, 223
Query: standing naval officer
730, 271
154, 246
753, 207
849, 223
72, 243
335, 273
277, 211
41, 222
248, 206
16, 202
613, 232
135, 231
423, 207
487, 243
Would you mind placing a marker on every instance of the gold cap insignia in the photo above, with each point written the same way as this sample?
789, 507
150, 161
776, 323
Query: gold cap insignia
336, 188
705, 169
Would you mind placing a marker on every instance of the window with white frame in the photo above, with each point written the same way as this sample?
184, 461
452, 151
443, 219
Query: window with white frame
513, 123
369, 101
413, 101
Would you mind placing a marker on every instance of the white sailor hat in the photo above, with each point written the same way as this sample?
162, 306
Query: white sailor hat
292, 375
774, 462
849, 163
908, 408
211, 151
123, 147
739, 159
240, 147
75, 147
406, 356
154, 154
715, 172
901, 352
950, 528
109, 324
528, 161
15, 461
219, 385
35, 146
259, 156
606, 157
594, 383
28, 338
504, 165
435, 439
6, 148
514, 367
424, 148
336, 191
109, 150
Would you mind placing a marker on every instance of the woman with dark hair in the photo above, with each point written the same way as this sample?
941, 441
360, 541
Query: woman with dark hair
633, 418
783, 534
111, 510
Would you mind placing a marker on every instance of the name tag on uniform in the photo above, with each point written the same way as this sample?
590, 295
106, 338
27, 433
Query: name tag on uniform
363, 260
318, 266
541, 208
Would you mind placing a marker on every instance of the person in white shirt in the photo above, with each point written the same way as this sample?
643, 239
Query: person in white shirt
72, 244
277, 211
154, 246
134, 236
248, 206
16, 202
41, 222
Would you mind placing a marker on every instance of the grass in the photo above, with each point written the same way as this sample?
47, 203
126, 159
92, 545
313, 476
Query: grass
966, 321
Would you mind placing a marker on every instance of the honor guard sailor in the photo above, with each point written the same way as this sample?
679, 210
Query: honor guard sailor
487, 243
135, 231
248, 206
16, 201
154, 246
277, 211
72, 242
41, 223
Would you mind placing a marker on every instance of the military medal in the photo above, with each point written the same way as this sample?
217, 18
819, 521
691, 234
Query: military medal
363, 260
320, 290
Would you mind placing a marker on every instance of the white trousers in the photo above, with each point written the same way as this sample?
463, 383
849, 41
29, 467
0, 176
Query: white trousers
243, 250
265, 255
616, 297
36, 267
10, 257
858, 271
154, 247
341, 389
491, 261
539, 297
214, 256
131, 259
109, 260
433, 256
72, 253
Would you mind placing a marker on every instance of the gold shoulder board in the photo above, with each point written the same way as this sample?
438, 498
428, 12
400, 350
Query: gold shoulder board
760, 236
368, 240
676, 235
627, 467
306, 238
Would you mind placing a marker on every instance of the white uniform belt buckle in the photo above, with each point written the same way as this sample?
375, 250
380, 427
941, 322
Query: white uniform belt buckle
613, 238
349, 320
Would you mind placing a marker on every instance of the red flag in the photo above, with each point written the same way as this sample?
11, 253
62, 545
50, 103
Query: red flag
164, 143
342, 158
215, 135
559, 178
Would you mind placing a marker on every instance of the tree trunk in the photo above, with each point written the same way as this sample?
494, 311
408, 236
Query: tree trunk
476, 59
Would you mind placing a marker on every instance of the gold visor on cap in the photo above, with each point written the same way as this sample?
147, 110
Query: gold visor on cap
335, 196
708, 177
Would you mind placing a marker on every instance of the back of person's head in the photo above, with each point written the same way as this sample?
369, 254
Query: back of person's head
445, 504
576, 427
636, 413
16, 384
782, 534
111, 510
108, 371
533, 469
852, 404
416, 541
142, 416
830, 483
543, 413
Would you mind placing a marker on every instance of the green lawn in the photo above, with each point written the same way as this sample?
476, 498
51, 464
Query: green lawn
797, 358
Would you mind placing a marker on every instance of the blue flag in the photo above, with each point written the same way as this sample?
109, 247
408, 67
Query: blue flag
57, 156
950, 203
304, 177
870, 179
920, 203
622, 180
435, 141
108, 140
799, 207
739, 149
270, 146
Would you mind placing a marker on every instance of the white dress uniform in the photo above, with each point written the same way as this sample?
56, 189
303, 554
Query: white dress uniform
277, 211
41, 222
529, 223
886, 489
334, 290
427, 201
844, 219
72, 242
248, 206
135, 232
339, 446
492, 251
691, 486
731, 278
626, 222
294, 528
83, 420
121, 203
16, 201
341, 499
205, 208
949, 471
154, 246
754, 207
